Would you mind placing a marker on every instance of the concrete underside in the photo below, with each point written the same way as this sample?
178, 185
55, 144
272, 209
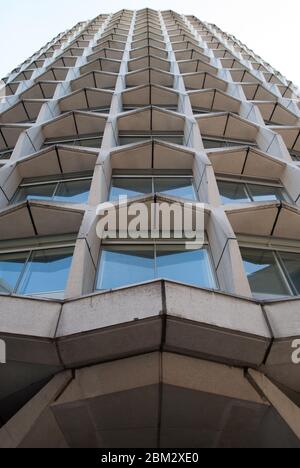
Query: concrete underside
155, 400
159, 364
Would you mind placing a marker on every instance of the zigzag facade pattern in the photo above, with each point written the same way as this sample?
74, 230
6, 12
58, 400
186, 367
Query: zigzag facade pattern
158, 364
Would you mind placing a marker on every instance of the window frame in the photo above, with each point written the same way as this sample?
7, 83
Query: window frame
4, 152
235, 142
246, 181
201, 110
276, 246
57, 179
30, 246
148, 174
295, 155
154, 243
73, 139
97, 110
150, 135
129, 107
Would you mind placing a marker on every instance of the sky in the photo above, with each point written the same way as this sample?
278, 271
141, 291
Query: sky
269, 27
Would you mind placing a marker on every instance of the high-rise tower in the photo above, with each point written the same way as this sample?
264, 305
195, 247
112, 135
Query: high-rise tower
145, 343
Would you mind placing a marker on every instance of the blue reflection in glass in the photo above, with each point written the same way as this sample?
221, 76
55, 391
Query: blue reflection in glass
181, 187
11, 266
186, 266
123, 266
291, 261
47, 271
130, 187
35, 192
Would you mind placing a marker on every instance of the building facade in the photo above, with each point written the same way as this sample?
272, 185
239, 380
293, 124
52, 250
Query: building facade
146, 343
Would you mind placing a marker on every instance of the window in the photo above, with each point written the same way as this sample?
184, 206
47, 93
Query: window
270, 122
89, 141
98, 110
5, 153
126, 138
295, 155
63, 188
232, 191
166, 84
181, 186
123, 265
212, 142
272, 273
200, 110
170, 107
36, 271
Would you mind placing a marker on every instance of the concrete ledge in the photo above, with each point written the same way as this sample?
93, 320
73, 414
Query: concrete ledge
32, 317
284, 318
216, 309
149, 317
111, 308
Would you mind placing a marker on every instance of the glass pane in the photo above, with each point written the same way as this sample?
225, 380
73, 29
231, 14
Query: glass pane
89, 143
100, 110
11, 266
47, 271
121, 266
75, 191
199, 110
232, 192
71, 140
176, 139
132, 187
177, 187
292, 264
263, 273
37, 192
265, 193
295, 155
186, 266
126, 140
207, 143
211, 143
5, 154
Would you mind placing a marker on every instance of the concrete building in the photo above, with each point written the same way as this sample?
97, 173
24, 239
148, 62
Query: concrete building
146, 344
